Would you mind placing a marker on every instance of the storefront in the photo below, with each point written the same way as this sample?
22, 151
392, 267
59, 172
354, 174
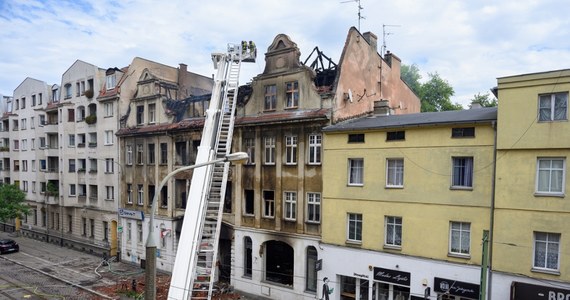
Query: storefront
449, 289
390, 284
525, 291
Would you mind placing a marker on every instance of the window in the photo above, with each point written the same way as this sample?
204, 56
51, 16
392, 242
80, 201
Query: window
395, 172
67, 89
393, 232
109, 192
108, 108
355, 171
140, 114
71, 138
313, 207
550, 176
129, 156
33, 100
92, 227
109, 165
32, 122
129, 193
72, 190
292, 94
248, 256
553, 107
462, 132
290, 203
462, 176
77, 89
152, 113
249, 202
151, 155
546, 251
129, 231
72, 165
311, 275
290, 150
354, 230
108, 137
249, 144
83, 226
270, 97
396, 136
151, 193
163, 153
140, 154
140, 194
111, 81
460, 238
315, 146
268, 204
356, 138
105, 231
139, 232
270, 150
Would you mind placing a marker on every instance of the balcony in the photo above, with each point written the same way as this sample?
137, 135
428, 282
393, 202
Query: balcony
50, 127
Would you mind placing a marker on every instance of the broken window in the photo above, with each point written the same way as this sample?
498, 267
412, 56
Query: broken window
181, 153
279, 262
268, 204
180, 190
248, 259
249, 200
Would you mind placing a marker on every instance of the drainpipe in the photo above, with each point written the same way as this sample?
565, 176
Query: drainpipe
492, 212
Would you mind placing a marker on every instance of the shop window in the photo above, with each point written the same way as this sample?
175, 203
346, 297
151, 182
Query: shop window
279, 262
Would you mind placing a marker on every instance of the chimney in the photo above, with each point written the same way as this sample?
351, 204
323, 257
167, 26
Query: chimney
182, 70
381, 108
372, 39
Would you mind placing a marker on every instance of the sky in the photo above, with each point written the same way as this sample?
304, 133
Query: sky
468, 43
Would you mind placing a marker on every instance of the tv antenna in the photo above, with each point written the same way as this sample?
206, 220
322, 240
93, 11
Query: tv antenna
360, 8
384, 35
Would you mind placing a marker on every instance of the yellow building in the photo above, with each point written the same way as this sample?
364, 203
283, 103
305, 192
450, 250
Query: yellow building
406, 200
531, 243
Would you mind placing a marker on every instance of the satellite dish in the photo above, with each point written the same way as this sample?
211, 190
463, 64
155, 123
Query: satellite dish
350, 95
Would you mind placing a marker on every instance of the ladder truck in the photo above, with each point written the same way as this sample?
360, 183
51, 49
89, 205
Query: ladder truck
194, 269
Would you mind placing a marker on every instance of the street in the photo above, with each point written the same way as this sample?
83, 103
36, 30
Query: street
44, 271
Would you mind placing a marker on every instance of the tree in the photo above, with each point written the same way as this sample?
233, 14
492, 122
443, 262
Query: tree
483, 100
411, 76
12, 203
436, 95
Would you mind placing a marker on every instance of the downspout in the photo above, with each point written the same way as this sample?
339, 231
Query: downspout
492, 212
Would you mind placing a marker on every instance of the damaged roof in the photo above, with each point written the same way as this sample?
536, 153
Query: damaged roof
284, 117
195, 123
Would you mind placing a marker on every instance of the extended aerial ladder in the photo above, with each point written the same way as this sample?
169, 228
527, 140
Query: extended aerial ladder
194, 269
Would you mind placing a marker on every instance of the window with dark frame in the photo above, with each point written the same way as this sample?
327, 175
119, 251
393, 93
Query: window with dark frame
462, 132
356, 138
249, 202
396, 135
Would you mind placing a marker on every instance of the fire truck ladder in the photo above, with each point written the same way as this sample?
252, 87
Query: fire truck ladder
209, 185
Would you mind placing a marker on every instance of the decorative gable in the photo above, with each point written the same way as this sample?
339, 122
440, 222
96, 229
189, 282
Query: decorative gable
282, 55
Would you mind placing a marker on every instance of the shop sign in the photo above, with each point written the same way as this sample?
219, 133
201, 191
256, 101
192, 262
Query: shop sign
131, 214
525, 291
456, 288
392, 276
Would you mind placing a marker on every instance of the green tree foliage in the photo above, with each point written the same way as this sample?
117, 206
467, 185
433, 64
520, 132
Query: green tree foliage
435, 94
12, 203
484, 100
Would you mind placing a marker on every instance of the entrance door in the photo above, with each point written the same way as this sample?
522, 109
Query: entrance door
113, 238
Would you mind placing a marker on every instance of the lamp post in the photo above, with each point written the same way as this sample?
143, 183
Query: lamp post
150, 263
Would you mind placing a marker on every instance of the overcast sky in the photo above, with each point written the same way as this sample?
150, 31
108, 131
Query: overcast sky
469, 43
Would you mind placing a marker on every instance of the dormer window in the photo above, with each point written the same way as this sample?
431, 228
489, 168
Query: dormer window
111, 81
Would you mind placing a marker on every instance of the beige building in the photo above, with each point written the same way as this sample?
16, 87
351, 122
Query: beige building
276, 209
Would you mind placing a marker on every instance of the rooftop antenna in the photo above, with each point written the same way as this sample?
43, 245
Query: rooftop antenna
359, 9
384, 34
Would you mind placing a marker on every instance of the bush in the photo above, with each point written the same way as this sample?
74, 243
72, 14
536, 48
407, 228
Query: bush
91, 119
89, 93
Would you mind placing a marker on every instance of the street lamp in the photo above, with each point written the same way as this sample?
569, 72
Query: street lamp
150, 263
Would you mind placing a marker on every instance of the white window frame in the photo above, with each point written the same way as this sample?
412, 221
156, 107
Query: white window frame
356, 171
152, 113
393, 227
71, 140
268, 206
354, 220
547, 110
291, 149
464, 171
290, 206
315, 149
129, 231
314, 208
109, 192
140, 154
545, 167
395, 172
109, 165
129, 156
111, 81
108, 107
550, 242
292, 94
458, 230
269, 155
250, 149
72, 190
129, 193
140, 194
109, 137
